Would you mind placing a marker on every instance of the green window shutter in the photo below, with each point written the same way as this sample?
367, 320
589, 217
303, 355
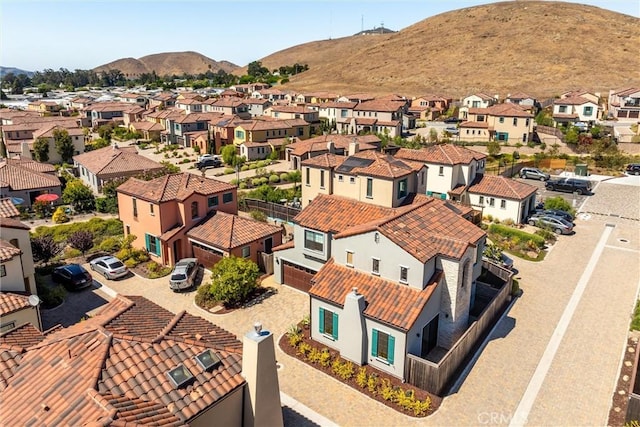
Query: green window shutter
390, 350
321, 321
335, 326
146, 241
374, 343
157, 246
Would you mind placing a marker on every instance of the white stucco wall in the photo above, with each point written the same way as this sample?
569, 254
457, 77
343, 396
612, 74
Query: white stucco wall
13, 281
24, 244
510, 211
314, 260
440, 183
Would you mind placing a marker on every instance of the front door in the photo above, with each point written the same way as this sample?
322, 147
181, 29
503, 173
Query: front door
268, 245
177, 251
429, 337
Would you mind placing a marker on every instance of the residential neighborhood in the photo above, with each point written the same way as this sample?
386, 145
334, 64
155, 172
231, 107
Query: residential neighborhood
241, 253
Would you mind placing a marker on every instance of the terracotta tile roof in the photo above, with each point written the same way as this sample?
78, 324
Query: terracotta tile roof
447, 154
10, 302
331, 213
33, 165
379, 105
387, 302
427, 228
199, 117
292, 109
23, 336
627, 91
31, 123
18, 177
372, 163
90, 374
319, 143
519, 95
474, 125
13, 223
8, 251
509, 110
565, 116
47, 131
109, 161
336, 104
325, 161
288, 245
573, 100
483, 96
173, 187
226, 231
8, 209
499, 186
148, 126
257, 125
365, 121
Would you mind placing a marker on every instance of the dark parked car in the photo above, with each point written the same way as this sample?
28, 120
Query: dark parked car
540, 210
452, 120
633, 169
534, 173
553, 223
207, 163
72, 276
569, 185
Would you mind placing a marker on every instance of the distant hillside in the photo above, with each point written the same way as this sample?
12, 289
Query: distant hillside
169, 63
540, 47
16, 71
375, 30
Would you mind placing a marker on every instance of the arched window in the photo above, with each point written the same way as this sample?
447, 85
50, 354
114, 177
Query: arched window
194, 210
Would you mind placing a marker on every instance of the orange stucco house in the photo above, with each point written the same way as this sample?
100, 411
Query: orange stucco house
161, 211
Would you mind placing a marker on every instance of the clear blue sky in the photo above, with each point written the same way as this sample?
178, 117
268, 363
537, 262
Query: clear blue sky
83, 34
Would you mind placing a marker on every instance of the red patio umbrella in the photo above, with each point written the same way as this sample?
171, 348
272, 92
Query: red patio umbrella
48, 197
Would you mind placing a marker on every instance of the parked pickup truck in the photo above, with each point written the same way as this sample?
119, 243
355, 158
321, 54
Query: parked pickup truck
569, 185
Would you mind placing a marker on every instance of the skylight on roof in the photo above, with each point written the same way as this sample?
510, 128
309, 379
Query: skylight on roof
208, 360
180, 375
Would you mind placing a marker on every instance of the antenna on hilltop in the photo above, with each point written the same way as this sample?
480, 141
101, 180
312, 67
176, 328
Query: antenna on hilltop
382, 27
362, 23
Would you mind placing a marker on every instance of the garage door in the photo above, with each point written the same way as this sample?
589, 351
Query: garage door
297, 276
206, 256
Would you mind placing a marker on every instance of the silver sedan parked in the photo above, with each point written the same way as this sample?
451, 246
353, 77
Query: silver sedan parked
109, 266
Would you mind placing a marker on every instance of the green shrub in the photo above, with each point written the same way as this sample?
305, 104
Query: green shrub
258, 215
204, 298
261, 164
509, 233
253, 166
255, 182
387, 392
361, 377
229, 171
107, 204
243, 186
60, 216
547, 235
263, 180
635, 322
244, 168
325, 357
294, 339
372, 384
274, 179
130, 262
71, 253
234, 181
314, 355
110, 244
234, 279
304, 349
559, 203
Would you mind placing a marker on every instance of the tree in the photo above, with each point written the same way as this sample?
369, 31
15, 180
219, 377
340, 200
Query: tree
44, 248
295, 177
493, 148
79, 196
81, 240
228, 153
41, 149
558, 203
234, 279
433, 135
64, 144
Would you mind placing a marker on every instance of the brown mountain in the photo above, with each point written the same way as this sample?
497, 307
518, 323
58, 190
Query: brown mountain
169, 63
539, 47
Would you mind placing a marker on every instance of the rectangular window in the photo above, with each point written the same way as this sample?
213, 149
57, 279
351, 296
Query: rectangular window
321, 179
350, 258
563, 109
480, 118
328, 323
340, 178
135, 208
481, 200
369, 188
441, 171
402, 188
212, 201
526, 123
153, 244
404, 274
7, 326
239, 134
492, 201
227, 198
375, 266
422, 178
308, 176
501, 120
151, 209
587, 111
128, 230
383, 346
515, 121
246, 252
313, 241
352, 180
503, 204
3, 270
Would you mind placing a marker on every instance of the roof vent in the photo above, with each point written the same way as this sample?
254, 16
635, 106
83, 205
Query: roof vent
180, 376
208, 360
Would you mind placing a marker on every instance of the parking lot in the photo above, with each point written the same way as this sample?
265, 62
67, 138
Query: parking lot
543, 194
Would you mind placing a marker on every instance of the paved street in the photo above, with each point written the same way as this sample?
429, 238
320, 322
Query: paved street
553, 360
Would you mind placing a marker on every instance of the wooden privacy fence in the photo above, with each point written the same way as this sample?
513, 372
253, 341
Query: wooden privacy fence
270, 209
437, 377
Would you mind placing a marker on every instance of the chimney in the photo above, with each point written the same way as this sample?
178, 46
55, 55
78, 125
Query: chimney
24, 151
352, 330
331, 147
262, 406
114, 146
354, 147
